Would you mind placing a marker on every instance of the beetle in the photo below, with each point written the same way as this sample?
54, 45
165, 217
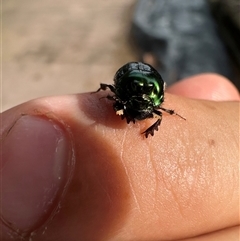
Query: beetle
138, 93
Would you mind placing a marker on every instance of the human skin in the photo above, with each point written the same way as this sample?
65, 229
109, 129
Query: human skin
180, 184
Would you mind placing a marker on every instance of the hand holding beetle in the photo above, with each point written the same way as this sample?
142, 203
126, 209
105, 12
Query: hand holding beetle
71, 170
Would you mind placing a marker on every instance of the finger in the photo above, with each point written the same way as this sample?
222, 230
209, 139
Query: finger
228, 234
36, 166
205, 86
182, 182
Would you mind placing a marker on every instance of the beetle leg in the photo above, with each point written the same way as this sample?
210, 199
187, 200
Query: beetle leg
171, 112
154, 127
105, 87
109, 97
118, 106
129, 119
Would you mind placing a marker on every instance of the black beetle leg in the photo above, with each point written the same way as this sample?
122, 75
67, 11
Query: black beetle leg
171, 112
155, 126
110, 97
129, 119
105, 87
118, 107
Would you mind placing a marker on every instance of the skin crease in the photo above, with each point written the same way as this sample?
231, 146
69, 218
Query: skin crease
181, 184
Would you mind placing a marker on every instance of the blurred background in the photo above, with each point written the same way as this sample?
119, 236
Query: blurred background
60, 47
56, 47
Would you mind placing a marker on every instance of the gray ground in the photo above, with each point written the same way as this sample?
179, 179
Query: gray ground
55, 47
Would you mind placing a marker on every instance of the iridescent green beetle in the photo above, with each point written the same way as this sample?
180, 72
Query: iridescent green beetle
138, 94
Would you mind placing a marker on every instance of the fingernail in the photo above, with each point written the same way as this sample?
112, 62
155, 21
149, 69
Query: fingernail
36, 163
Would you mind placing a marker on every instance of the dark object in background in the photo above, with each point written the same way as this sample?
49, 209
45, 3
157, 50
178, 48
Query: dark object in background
227, 16
181, 36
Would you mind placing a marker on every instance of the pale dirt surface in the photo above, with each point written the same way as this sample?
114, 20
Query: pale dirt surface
56, 47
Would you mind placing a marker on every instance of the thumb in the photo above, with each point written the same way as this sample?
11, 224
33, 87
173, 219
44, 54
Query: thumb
36, 164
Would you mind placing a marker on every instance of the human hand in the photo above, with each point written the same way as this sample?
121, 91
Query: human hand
73, 170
